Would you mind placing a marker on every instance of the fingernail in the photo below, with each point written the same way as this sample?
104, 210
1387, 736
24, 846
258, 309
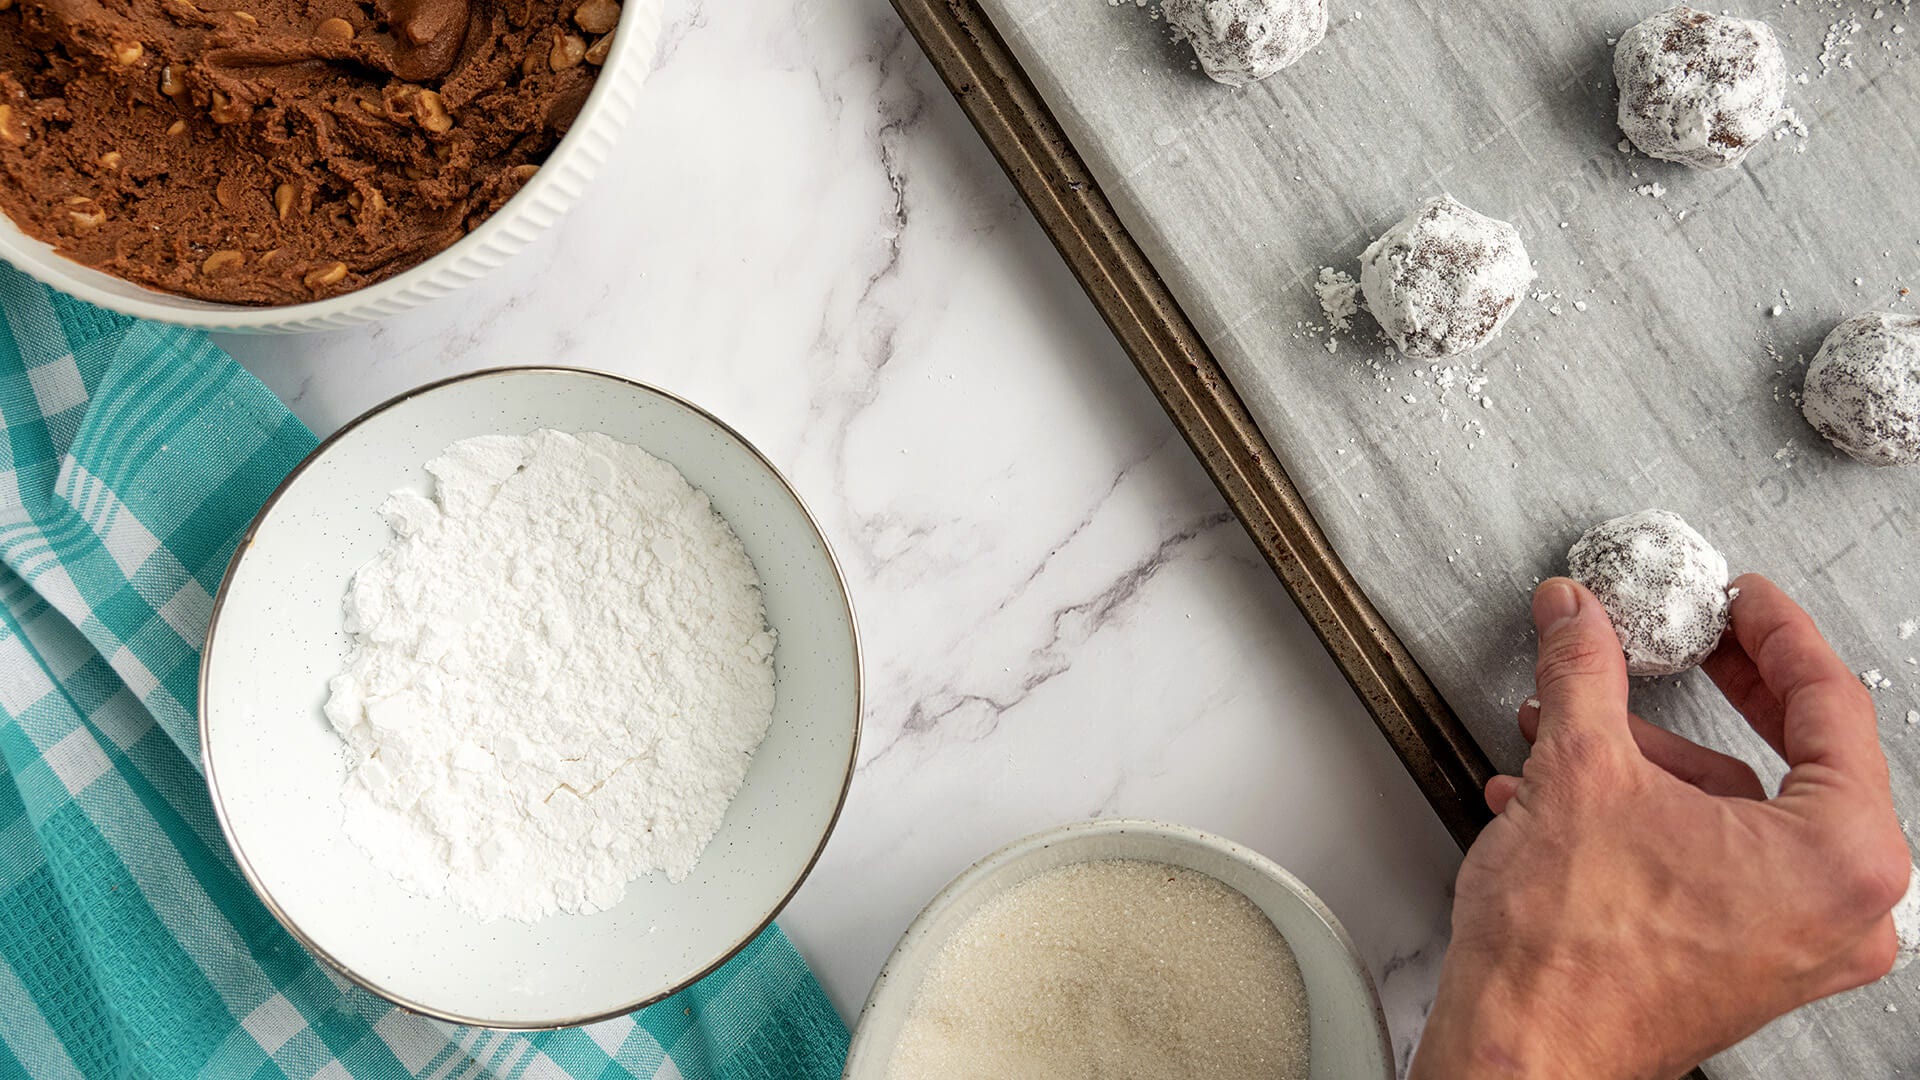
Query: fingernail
1554, 603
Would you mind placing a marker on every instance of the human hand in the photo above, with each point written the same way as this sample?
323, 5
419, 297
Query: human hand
1638, 904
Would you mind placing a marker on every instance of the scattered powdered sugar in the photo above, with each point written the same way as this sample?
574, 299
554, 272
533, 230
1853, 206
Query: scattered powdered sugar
1110, 968
1652, 191
1551, 300
1443, 384
561, 670
1339, 297
1833, 48
1908, 628
1791, 124
1664, 587
1873, 680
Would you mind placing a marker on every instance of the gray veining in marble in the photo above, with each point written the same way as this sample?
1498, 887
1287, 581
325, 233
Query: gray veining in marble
801, 232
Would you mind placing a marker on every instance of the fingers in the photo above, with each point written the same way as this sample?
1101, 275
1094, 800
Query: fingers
1732, 670
1581, 675
1500, 792
1709, 770
1826, 717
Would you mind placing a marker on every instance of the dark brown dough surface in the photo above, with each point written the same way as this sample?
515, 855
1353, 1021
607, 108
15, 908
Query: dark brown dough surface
276, 151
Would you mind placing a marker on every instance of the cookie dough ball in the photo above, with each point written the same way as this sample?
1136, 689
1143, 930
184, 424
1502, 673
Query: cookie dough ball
1863, 388
1699, 89
1443, 280
1241, 41
1663, 585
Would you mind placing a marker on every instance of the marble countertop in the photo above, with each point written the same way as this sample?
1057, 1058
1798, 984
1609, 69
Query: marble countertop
1062, 619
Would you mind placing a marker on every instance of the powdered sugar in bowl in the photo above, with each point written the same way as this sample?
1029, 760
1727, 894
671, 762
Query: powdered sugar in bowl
414, 904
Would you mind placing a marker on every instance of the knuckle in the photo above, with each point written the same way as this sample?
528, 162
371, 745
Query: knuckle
1875, 956
1859, 700
1572, 657
1875, 878
1582, 757
1854, 699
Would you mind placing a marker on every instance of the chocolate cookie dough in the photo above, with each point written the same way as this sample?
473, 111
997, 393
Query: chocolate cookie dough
1863, 388
276, 151
1664, 587
1243, 41
1444, 279
1698, 88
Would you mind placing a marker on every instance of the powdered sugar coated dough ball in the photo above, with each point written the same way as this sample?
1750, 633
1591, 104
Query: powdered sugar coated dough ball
1240, 41
1697, 88
1663, 585
1443, 280
1863, 388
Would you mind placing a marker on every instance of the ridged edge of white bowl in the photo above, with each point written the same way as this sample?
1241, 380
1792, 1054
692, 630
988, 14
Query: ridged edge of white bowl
532, 210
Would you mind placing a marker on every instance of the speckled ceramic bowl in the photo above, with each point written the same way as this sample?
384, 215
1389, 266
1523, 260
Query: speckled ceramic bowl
530, 212
275, 767
1346, 1029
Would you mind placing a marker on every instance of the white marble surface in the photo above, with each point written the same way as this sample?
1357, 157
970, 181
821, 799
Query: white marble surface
1062, 619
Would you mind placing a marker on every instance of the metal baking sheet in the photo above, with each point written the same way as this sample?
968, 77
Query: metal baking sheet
996, 95
1657, 367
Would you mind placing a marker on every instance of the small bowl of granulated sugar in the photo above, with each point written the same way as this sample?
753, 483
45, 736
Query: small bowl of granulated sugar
1123, 949
530, 697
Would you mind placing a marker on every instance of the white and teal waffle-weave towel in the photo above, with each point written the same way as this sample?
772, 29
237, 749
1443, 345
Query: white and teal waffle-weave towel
134, 456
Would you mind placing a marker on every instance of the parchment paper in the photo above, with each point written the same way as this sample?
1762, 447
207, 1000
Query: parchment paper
1664, 380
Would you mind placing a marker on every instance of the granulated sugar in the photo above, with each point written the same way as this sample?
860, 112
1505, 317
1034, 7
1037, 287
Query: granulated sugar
1110, 969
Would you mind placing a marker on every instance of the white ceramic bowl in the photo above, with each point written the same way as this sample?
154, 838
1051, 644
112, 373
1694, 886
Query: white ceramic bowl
275, 767
1346, 1029
530, 212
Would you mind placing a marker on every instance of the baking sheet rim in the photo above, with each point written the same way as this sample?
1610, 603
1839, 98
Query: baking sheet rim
994, 91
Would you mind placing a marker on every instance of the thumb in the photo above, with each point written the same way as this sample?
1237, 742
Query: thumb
1581, 676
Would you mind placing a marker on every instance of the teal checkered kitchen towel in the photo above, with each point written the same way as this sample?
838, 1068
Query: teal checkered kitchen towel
129, 944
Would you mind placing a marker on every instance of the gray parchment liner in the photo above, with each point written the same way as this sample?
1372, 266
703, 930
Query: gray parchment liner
1672, 388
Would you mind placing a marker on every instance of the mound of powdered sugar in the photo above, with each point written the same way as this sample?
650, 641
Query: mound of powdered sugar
1241, 41
561, 670
1697, 88
1664, 588
1443, 280
1863, 388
